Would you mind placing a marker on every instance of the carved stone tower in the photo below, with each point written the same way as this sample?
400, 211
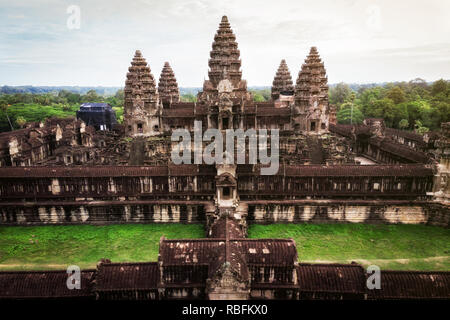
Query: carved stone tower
168, 86
311, 112
282, 83
224, 66
141, 107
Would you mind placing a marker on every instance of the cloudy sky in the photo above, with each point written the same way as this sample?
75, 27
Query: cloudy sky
360, 41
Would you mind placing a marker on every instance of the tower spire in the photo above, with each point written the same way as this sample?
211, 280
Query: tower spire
311, 93
312, 79
282, 83
168, 86
141, 97
224, 56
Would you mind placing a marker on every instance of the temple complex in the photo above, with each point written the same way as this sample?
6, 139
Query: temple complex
64, 171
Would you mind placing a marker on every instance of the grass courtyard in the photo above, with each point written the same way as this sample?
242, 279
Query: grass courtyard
397, 247
56, 247
402, 247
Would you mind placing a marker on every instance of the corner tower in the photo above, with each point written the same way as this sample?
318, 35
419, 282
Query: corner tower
141, 106
311, 112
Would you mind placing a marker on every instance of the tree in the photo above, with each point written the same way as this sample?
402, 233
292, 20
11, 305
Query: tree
120, 95
382, 108
340, 94
420, 129
188, 97
348, 116
92, 96
20, 121
396, 94
73, 98
439, 86
418, 82
4, 108
258, 97
403, 124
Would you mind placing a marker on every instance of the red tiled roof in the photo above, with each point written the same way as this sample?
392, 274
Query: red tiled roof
224, 227
331, 278
277, 252
101, 171
406, 134
127, 276
401, 150
417, 170
412, 285
42, 284
268, 109
202, 251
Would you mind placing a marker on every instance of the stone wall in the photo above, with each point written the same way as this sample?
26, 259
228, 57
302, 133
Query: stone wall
373, 212
100, 213
388, 212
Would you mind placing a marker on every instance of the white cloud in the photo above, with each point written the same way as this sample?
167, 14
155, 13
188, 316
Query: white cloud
404, 40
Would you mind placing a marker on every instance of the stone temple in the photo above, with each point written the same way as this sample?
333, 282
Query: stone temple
64, 171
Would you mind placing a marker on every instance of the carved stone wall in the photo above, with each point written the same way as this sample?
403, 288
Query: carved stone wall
351, 212
101, 213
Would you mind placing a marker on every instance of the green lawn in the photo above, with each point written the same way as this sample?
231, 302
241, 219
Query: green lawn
56, 247
401, 247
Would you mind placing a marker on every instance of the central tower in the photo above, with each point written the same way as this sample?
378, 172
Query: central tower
224, 67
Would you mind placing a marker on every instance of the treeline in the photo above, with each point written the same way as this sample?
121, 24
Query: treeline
414, 105
108, 91
19, 108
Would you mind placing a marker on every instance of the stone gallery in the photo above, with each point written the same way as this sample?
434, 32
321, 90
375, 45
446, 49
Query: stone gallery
69, 171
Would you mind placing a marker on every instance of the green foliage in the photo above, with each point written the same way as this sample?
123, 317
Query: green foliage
396, 94
420, 128
409, 101
38, 107
261, 95
119, 114
92, 96
188, 97
34, 112
403, 124
403, 247
56, 247
20, 121
346, 116
340, 93
440, 86
258, 97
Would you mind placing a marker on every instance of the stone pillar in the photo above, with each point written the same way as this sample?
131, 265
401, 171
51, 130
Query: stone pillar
441, 183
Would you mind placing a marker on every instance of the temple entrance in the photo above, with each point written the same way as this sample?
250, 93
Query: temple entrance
226, 193
313, 126
225, 123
